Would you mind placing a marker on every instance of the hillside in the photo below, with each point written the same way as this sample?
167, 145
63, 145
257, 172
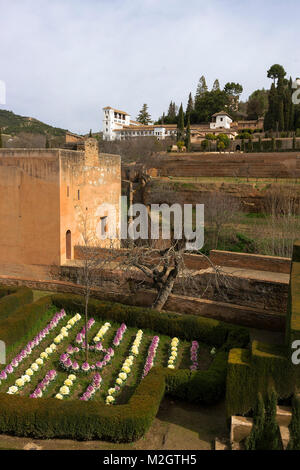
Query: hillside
13, 124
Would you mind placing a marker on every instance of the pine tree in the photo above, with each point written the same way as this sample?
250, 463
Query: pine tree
180, 124
1, 144
201, 88
172, 112
144, 117
216, 85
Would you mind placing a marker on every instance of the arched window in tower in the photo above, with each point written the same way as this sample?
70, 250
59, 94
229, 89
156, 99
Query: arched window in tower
68, 244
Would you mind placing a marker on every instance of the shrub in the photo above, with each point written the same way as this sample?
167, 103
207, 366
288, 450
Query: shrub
5, 290
188, 327
265, 434
250, 372
203, 386
50, 418
10, 303
294, 443
24, 322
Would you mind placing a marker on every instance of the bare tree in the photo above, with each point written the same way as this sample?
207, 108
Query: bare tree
220, 210
91, 262
282, 215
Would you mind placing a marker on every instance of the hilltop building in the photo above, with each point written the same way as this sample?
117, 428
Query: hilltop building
117, 125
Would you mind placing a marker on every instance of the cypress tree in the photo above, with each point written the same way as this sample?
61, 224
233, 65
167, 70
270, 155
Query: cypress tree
90, 135
273, 145
188, 134
253, 440
294, 443
281, 125
259, 144
172, 112
270, 118
190, 105
1, 143
47, 145
180, 124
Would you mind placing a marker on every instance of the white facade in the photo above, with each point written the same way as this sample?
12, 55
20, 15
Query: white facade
220, 120
113, 119
117, 125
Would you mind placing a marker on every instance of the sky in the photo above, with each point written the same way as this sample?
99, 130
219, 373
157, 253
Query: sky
63, 60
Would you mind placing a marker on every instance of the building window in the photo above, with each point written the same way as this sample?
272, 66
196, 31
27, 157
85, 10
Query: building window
103, 226
68, 244
78, 194
68, 191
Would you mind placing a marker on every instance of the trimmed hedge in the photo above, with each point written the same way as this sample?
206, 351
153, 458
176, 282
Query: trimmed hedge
203, 386
5, 290
250, 373
24, 322
48, 418
188, 327
240, 390
10, 303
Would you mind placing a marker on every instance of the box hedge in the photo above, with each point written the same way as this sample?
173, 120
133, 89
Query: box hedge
24, 322
188, 327
49, 418
10, 302
73, 419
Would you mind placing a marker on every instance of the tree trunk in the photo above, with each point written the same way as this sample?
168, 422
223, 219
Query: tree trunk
165, 291
86, 329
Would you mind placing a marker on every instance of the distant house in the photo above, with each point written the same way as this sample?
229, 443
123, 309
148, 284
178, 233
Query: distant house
221, 119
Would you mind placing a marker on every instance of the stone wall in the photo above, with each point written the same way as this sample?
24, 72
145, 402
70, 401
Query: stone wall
273, 264
256, 165
182, 304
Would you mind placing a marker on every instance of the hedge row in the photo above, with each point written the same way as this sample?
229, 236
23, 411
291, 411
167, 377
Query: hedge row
188, 327
5, 290
203, 386
24, 322
250, 373
48, 418
10, 303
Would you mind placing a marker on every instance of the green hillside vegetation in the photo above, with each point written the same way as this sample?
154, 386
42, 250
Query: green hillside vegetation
13, 124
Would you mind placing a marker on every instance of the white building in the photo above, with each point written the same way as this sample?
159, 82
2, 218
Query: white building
117, 125
221, 119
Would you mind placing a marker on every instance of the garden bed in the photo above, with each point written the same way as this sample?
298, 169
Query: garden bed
135, 355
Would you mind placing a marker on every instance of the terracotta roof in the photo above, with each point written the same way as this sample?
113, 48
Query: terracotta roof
221, 113
135, 128
116, 110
